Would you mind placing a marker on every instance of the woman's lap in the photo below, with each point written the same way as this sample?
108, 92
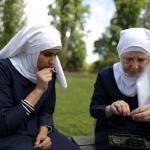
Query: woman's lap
61, 142
17, 142
24, 142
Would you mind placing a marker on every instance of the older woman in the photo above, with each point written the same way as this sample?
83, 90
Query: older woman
121, 98
27, 91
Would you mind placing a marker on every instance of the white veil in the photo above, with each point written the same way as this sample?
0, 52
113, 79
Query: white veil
24, 48
134, 39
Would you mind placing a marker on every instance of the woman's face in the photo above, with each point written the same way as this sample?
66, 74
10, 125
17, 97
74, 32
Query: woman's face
134, 62
47, 59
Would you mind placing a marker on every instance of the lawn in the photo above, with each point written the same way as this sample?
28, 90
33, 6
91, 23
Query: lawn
72, 108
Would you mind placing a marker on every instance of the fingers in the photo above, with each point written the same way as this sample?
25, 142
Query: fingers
140, 109
114, 108
120, 107
52, 70
37, 142
141, 114
125, 108
46, 71
43, 144
43, 77
144, 116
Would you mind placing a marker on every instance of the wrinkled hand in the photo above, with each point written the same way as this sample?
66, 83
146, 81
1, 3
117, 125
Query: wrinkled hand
142, 113
119, 107
42, 142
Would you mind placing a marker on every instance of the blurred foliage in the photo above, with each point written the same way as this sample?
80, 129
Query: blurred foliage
69, 17
129, 13
145, 15
97, 65
11, 19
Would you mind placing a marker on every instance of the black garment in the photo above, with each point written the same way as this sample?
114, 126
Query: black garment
105, 93
17, 129
25, 142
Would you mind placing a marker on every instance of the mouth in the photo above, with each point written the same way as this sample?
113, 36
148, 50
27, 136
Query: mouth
135, 73
50, 66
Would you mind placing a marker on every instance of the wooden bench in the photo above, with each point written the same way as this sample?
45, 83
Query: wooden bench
85, 142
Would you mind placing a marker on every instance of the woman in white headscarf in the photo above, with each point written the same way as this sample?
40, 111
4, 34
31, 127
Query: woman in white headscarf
28, 68
121, 98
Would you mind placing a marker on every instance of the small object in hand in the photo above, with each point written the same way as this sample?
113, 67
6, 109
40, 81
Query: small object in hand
53, 70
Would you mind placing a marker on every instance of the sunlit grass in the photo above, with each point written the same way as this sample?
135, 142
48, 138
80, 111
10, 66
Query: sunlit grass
72, 109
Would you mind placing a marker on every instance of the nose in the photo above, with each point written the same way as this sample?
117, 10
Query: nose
52, 60
135, 64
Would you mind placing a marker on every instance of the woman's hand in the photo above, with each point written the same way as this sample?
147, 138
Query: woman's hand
119, 107
42, 142
142, 113
43, 78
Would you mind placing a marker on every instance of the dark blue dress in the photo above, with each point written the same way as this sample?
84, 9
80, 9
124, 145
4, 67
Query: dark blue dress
105, 93
18, 130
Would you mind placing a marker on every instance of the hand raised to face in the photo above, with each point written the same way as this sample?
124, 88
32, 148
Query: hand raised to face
43, 78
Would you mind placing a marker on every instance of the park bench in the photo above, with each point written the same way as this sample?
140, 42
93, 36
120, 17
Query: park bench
85, 142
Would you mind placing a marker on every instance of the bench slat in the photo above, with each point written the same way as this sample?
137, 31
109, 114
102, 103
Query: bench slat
85, 142
87, 147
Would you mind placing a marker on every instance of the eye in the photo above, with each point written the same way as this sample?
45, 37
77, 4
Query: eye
47, 54
128, 59
141, 59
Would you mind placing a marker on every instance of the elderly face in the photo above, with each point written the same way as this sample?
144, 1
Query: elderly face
47, 59
134, 63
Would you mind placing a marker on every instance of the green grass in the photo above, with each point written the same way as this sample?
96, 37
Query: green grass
72, 108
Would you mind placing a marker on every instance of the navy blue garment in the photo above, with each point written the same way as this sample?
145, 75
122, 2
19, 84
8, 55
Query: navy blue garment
18, 130
105, 93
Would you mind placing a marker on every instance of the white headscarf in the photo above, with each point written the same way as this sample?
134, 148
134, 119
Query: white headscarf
24, 48
134, 39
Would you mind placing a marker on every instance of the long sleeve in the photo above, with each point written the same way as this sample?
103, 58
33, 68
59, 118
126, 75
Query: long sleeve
46, 113
11, 117
99, 99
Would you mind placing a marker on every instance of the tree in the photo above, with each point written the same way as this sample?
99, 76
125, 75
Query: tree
12, 17
1, 17
127, 15
145, 16
69, 16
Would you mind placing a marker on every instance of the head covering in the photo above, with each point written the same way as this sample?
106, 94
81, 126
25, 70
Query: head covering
24, 48
134, 39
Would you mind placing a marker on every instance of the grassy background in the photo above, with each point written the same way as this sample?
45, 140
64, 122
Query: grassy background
72, 108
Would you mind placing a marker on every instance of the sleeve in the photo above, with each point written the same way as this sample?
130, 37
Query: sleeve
11, 117
99, 99
46, 114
